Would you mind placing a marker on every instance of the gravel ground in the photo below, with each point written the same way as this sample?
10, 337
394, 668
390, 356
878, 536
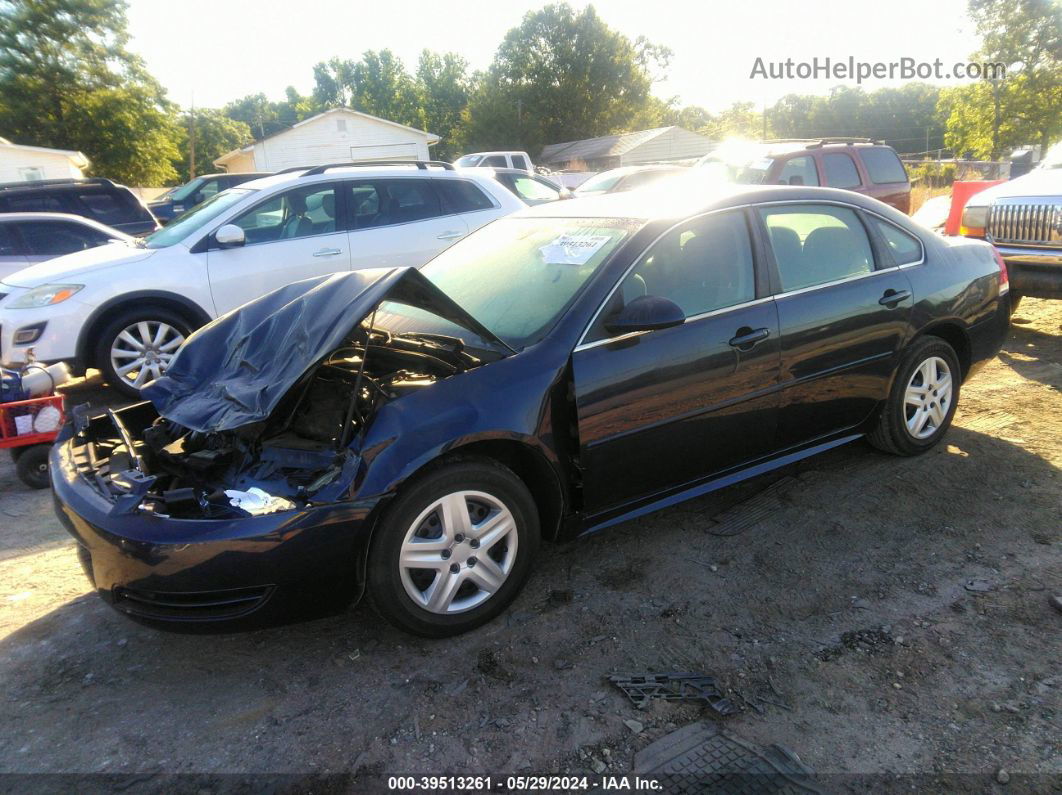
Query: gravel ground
878, 616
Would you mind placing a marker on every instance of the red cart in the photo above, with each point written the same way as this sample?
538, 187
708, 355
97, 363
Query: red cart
28, 428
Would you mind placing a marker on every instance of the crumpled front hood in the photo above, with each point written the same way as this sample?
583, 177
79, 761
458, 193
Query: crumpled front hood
69, 267
235, 370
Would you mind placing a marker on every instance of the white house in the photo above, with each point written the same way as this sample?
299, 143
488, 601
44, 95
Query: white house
339, 135
659, 145
21, 163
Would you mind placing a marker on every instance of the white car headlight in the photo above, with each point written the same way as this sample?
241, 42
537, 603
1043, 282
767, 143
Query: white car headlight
45, 295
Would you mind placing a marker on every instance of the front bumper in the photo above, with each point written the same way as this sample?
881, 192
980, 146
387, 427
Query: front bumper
58, 341
212, 575
1035, 272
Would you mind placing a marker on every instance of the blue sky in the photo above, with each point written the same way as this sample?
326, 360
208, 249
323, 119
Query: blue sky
219, 50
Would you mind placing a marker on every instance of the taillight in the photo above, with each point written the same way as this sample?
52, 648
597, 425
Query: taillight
1004, 277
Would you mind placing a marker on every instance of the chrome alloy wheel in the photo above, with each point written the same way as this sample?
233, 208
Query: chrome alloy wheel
928, 398
142, 351
458, 552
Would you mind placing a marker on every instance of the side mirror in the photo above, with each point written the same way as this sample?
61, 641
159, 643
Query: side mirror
565, 193
230, 236
646, 313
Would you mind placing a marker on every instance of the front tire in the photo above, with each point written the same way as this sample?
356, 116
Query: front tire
454, 549
137, 347
922, 401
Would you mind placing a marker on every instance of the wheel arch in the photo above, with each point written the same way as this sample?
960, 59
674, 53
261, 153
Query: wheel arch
106, 312
956, 336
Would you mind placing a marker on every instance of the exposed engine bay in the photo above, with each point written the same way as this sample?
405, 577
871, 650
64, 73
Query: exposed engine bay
290, 459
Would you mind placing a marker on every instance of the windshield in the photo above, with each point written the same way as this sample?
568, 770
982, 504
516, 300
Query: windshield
187, 189
468, 161
196, 218
743, 167
517, 276
601, 183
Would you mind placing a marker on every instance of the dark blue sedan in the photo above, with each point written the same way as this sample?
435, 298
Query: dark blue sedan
416, 434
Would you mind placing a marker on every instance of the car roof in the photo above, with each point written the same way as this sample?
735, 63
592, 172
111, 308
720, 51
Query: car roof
295, 178
70, 217
688, 196
60, 184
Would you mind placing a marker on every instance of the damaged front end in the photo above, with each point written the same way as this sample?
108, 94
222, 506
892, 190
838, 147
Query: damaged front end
265, 409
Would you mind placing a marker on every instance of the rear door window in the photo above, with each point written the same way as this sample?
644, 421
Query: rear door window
387, 202
883, 165
841, 171
815, 244
799, 171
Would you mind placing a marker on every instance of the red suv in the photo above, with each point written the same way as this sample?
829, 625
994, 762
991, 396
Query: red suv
856, 164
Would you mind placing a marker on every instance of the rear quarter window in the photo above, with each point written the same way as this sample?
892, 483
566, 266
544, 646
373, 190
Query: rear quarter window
906, 249
883, 165
461, 196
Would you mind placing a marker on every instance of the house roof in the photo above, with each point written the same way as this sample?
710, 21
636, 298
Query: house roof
78, 158
432, 138
604, 146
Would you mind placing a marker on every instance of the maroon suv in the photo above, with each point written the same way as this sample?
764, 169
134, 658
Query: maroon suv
856, 164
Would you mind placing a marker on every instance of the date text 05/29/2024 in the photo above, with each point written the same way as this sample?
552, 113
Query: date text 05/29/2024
529, 783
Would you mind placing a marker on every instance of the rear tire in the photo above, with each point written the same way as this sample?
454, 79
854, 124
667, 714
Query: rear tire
922, 401
471, 529
142, 339
32, 466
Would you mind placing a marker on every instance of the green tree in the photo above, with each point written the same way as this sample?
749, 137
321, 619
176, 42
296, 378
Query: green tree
990, 117
378, 84
215, 135
561, 75
443, 88
68, 81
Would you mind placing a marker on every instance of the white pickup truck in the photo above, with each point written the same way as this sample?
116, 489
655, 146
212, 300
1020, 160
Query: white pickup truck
1022, 218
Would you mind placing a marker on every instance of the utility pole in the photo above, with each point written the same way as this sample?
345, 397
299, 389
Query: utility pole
764, 121
191, 141
927, 140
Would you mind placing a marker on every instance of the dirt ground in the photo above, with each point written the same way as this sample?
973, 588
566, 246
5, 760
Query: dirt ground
878, 616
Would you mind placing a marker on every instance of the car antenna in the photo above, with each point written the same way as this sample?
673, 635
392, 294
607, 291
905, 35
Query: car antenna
357, 384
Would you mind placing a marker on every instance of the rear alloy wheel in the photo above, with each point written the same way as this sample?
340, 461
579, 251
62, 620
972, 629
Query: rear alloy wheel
922, 402
138, 347
454, 549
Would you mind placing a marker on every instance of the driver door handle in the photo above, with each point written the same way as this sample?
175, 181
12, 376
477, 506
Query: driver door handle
893, 297
747, 338
327, 252
450, 235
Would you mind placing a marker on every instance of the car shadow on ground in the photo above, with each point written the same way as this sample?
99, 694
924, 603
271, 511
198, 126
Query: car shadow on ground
1034, 354
350, 690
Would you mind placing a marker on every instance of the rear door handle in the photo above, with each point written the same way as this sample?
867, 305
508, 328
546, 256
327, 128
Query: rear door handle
893, 297
450, 235
747, 338
327, 252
